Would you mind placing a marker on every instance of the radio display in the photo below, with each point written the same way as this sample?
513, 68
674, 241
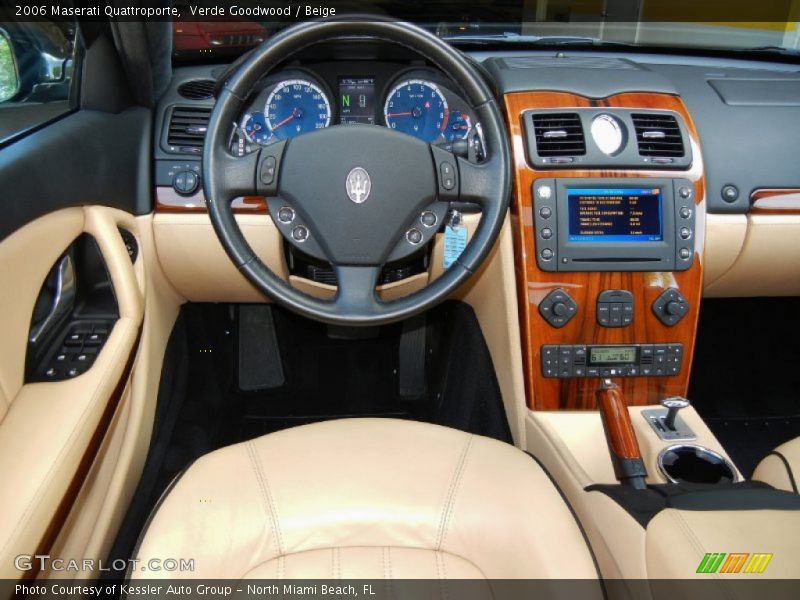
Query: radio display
612, 355
357, 100
613, 215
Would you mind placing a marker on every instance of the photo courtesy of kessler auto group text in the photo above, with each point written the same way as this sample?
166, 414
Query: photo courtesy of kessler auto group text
400, 299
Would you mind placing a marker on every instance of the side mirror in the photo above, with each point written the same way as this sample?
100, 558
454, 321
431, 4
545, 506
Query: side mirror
9, 78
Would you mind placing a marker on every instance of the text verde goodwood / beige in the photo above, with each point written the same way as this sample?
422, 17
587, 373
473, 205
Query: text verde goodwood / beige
196, 12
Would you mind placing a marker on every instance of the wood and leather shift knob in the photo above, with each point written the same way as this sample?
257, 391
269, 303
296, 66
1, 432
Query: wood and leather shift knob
622, 443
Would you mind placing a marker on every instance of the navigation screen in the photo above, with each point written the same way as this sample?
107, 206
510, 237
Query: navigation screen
357, 100
615, 215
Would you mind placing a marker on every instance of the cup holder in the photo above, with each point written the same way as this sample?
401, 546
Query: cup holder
695, 464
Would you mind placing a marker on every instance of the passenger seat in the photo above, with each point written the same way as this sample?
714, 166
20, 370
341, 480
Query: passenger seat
781, 467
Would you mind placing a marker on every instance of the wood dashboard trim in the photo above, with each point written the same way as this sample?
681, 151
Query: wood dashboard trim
533, 284
785, 201
170, 201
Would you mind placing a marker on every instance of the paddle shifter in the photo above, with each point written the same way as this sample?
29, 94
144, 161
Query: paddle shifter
622, 443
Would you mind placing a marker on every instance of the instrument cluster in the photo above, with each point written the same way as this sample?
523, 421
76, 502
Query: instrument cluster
417, 101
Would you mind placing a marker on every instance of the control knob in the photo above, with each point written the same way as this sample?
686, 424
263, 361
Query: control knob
673, 308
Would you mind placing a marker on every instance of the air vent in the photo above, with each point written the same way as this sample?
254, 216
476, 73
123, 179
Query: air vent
199, 89
187, 128
572, 62
559, 134
658, 135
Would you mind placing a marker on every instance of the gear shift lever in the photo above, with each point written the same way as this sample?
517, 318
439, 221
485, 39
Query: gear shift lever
622, 443
673, 405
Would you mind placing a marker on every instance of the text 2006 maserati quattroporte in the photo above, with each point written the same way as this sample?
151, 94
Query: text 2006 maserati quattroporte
413, 299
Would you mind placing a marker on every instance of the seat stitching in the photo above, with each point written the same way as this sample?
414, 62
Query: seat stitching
265, 495
698, 545
451, 494
387, 570
282, 558
441, 570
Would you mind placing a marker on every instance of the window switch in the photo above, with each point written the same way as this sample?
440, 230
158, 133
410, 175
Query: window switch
73, 339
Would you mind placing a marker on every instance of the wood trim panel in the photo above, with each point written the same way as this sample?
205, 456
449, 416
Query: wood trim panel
775, 201
533, 284
168, 200
617, 423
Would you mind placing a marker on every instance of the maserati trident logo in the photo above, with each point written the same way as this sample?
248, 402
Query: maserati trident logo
358, 185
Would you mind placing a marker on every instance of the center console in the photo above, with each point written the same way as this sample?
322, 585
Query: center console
609, 224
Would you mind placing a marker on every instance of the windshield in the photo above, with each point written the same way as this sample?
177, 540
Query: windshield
211, 28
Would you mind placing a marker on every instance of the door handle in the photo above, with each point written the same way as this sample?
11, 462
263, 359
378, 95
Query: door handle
63, 299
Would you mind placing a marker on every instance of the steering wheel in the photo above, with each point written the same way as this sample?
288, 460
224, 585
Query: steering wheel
350, 195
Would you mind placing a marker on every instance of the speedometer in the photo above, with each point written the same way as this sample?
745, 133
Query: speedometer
296, 106
416, 107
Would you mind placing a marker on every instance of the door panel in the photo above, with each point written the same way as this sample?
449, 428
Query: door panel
51, 432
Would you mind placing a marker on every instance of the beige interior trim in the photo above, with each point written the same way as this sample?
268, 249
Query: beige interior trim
26, 257
46, 432
467, 496
579, 438
196, 264
102, 504
572, 448
741, 255
724, 242
677, 540
781, 469
386, 292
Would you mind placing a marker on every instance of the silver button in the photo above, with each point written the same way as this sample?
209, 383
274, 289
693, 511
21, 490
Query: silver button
429, 219
545, 192
414, 236
285, 214
300, 234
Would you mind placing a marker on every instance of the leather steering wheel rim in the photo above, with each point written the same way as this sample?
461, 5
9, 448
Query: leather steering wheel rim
226, 177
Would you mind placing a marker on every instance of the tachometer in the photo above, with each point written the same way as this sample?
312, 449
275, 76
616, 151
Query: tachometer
458, 126
418, 108
255, 128
296, 106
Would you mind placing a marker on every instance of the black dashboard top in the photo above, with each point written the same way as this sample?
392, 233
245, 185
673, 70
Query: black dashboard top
747, 113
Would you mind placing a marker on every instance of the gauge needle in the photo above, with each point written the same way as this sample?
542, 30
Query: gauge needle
284, 122
400, 114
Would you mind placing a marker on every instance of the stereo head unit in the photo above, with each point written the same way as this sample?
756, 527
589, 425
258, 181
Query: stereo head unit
622, 224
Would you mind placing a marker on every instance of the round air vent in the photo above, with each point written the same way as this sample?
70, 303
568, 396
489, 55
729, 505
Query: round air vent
199, 89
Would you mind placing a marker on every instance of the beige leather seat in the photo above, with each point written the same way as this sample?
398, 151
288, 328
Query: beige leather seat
367, 498
781, 468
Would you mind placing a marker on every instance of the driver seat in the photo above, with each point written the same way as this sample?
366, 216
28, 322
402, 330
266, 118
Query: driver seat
367, 499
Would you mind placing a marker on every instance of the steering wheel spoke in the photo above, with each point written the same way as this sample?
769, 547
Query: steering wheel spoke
356, 295
236, 175
460, 180
476, 182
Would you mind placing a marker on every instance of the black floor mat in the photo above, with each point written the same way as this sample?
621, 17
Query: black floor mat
201, 408
745, 379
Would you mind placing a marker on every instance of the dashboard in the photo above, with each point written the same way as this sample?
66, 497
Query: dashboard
418, 101
641, 184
